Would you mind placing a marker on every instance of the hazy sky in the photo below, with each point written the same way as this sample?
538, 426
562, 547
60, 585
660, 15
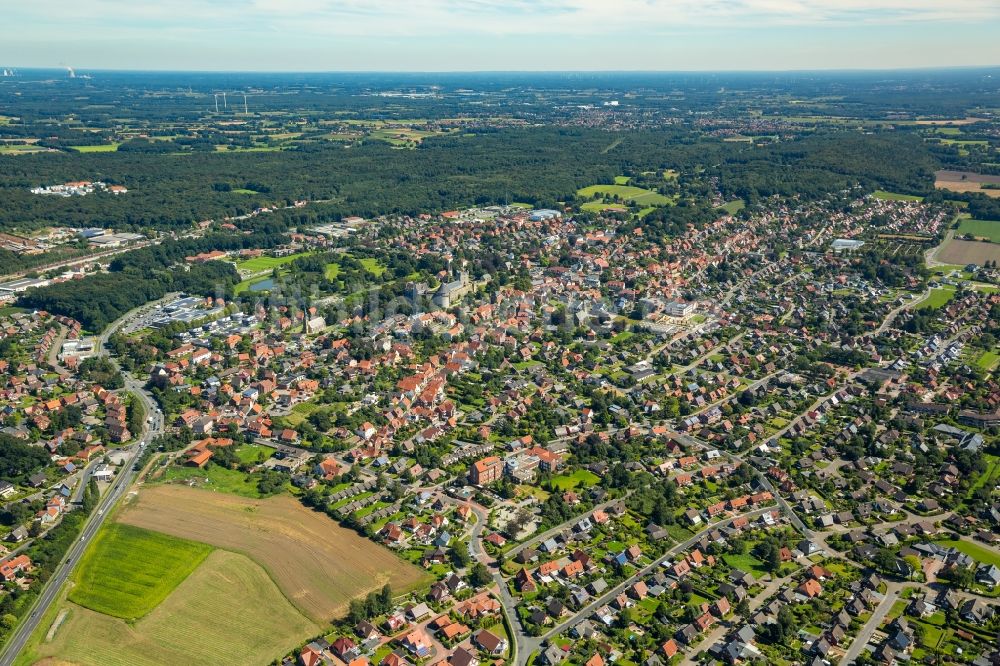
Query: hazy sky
446, 35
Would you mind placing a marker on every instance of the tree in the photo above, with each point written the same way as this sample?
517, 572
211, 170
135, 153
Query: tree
479, 575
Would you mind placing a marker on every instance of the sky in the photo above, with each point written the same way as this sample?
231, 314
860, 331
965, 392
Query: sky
495, 35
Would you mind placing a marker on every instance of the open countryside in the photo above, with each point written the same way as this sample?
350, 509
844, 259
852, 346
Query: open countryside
317, 564
228, 611
129, 571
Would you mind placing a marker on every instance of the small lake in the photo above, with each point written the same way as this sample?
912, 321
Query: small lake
263, 285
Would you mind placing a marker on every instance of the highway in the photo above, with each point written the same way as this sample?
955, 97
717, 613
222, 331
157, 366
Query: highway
126, 474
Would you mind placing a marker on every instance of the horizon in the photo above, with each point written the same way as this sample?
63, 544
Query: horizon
504, 35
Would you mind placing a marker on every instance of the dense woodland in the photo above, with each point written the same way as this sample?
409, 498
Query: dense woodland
541, 166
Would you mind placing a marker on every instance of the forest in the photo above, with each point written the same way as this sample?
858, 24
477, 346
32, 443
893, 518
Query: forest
540, 165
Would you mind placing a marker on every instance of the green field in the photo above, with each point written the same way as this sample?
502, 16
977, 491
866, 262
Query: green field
20, 149
745, 562
980, 554
228, 611
253, 453
601, 206
128, 571
332, 271
734, 206
622, 180
626, 193
988, 360
980, 229
102, 148
574, 479
938, 298
214, 477
895, 196
373, 266
262, 264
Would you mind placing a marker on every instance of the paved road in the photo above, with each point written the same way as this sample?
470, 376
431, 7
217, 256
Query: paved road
873, 623
64, 569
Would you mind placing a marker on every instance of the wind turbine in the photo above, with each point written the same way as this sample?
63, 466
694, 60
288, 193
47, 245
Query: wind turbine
224, 104
216, 102
245, 110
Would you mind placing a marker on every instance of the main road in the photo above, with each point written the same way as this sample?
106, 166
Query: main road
126, 474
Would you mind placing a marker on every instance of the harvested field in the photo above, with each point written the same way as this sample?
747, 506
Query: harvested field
966, 181
968, 252
227, 612
319, 565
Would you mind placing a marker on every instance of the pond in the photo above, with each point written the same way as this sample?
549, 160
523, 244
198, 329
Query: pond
263, 285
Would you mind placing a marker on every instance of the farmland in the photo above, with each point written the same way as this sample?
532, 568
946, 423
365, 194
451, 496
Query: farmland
128, 571
962, 252
966, 181
319, 565
981, 229
228, 611
895, 196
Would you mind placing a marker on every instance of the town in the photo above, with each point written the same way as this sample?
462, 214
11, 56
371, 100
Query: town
585, 442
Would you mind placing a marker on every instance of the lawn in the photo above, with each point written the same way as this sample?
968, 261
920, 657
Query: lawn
574, 479
895, 196
332, 271
980, 229
262, 264
128, 571
622, 180
980, 554
746, 562
227, 612
987, 360
373, 266
317, 564
100, 148
734, 206
938, 298
253, 453
627, 193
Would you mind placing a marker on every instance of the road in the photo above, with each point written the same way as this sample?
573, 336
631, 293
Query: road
873, 623
126, 474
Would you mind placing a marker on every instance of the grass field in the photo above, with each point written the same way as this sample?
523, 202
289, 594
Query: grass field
980, 554
332, 271
734, 206
213, 477
626, 193
128, 571
101, 148
746, 562
373, 266
988, 360
601, 206
580, 477
980, 229
20, 149
227, 612
895, 196
319, 565
622, 180
262, 264
938, 298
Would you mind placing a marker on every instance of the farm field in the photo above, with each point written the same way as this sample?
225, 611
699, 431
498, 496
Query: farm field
981, 228
627, 193
319, 565
101, 148
227, 612
895, 196
128, 571
962, 252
